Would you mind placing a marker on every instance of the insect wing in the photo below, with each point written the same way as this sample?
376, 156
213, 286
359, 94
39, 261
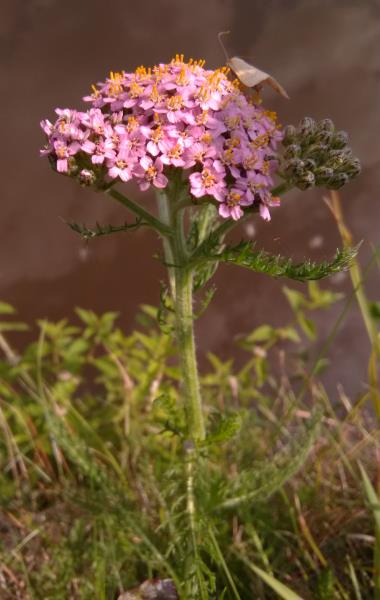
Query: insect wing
251, 77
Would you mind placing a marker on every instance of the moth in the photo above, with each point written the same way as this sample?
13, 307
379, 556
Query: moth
249, 75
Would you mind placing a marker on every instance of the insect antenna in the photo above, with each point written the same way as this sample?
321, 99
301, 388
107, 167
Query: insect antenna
222, 45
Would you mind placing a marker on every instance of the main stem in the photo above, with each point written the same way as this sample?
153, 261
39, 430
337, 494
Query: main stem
181, 281
183, 305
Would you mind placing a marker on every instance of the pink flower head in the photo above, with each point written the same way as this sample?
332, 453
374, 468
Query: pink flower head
210, 181
142, 125
99, 150
233, 202
63, 152
120, 165
150, 173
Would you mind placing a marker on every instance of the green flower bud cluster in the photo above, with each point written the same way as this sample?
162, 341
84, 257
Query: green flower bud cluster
317, 155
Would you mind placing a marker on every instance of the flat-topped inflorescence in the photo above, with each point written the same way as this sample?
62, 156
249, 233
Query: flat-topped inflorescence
141, 125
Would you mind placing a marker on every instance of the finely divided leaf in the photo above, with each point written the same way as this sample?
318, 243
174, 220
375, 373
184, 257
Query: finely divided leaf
245, 255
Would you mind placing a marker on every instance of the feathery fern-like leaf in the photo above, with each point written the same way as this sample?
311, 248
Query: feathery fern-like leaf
88, 234
245, 255
264, 479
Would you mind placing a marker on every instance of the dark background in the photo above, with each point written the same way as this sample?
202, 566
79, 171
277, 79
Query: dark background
325, 53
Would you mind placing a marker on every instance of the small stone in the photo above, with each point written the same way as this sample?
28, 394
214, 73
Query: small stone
152, 589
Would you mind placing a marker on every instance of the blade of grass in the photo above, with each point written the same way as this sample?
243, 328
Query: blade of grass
226, 570
357, 281
374, 504
354, 579
277, 586
333, 332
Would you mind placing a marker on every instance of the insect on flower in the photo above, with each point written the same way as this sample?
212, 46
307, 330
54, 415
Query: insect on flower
249, 75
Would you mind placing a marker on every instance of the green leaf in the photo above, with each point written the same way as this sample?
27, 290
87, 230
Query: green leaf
280, 588
372, 497
263, 479
374, 502
296, 299
203, 274
322, 298
226, 429
307, 325
208, 296
167, 412
266, 333
87, 316
13, 327
261, 334
245, 255
374, 309
100, 230
6, 309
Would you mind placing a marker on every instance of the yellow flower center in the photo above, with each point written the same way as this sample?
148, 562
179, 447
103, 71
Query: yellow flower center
115, 86
202, 118
206, 138
233, 199
233, 142
260, 140
228, 156
157, 134
250, 162
233, 122
154, 95
182, 78
174, 102
207, 178
95, 92
151, 173
135, 90
175, 152
132, 124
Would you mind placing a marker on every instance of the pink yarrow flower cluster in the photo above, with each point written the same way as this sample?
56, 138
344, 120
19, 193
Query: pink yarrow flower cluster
140, 125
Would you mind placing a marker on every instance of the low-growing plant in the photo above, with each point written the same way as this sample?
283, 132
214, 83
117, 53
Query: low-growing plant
178, 484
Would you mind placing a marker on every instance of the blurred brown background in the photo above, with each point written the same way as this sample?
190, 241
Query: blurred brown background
325, 53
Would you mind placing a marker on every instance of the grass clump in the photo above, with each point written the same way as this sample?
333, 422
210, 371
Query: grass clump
93, 489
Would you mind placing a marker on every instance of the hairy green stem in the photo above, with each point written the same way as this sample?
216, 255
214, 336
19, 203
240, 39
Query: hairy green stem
181, 279
149, 219
186, 343
282, 188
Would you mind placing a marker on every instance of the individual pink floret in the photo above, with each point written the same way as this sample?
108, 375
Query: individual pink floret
150, 173
63, 152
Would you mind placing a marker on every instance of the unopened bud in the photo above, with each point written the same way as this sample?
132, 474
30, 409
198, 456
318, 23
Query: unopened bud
292, 151
339, 158
307, 181
317, 155
340, 139
323, 175
326, 125
290, 135
317, 152
72, 166
87, 177
353, 168
306, 126
338, 181
310, 164
323, 136
294, 168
